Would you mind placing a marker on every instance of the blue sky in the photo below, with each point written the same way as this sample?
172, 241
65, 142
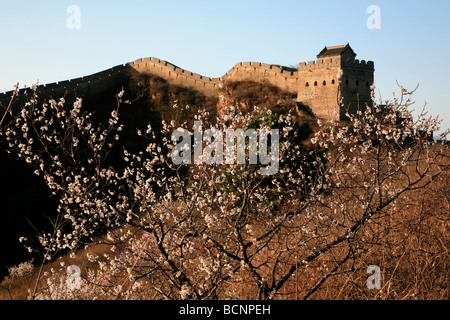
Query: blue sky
209, 37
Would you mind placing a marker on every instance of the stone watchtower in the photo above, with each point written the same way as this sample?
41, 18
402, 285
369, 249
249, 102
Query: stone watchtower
321, 90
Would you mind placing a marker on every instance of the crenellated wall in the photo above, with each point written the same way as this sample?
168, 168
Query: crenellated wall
255, 71
280, 76
316, 83
82, 83
320, 88
176, 75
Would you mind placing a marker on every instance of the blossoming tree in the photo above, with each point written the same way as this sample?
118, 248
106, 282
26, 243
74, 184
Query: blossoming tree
216, 231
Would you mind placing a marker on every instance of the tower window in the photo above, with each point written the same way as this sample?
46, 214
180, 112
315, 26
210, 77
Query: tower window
315, 83
357, 83
332, 81
346, 82
307, 84
324, 83
367, 83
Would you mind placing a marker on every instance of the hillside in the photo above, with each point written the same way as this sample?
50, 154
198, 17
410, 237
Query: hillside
413, 252
346, 196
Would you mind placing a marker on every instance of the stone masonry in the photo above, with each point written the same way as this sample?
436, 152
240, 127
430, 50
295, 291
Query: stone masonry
316, 83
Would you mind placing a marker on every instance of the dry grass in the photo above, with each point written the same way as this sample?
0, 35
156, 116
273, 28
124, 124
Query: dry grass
21, 288
413, 255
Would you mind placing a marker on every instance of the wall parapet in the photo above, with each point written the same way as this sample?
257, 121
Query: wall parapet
93, 78
169, 70
363, 64
321, 63
276, 69
336, 62
177, 75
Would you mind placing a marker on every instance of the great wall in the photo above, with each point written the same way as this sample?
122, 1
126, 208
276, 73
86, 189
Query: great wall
316, 83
